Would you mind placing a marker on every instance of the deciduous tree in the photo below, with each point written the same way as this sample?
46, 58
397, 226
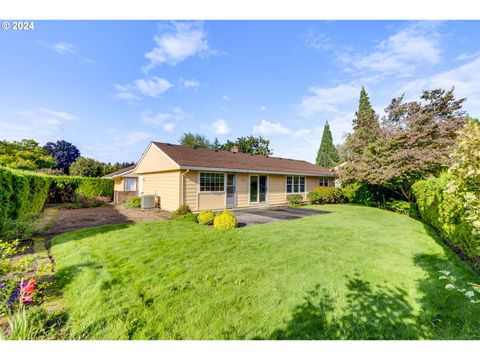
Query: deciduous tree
25, 154
63, 152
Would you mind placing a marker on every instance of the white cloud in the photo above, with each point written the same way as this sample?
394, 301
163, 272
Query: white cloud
62, 48
177, 114
152, 87
190, 84
327, 99
465, 78
43, 124
411, 47
225, 98
221, 127
317, 41
263, 108
269, 128
177, 42
168, 127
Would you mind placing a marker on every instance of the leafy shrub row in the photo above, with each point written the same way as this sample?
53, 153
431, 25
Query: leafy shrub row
325, 195
24, 194
224, 220
443, 210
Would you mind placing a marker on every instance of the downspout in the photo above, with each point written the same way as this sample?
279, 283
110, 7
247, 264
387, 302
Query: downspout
182, 190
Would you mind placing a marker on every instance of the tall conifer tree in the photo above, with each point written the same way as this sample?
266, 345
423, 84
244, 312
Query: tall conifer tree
327, 155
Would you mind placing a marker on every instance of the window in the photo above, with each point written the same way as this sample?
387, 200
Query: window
323, 182
130, 184
212, 182
295, 184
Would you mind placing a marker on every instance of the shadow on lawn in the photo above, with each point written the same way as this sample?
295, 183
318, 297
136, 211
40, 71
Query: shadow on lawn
383, 312
371, 313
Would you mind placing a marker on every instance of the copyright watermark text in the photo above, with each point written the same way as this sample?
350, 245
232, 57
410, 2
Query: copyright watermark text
18, 25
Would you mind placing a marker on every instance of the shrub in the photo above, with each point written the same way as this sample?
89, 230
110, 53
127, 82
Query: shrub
294, 200
206, 217
89, 201
367, 194
325, 195
95, 187
399, 206
186, 217
16, 229
225, 220
182, 210
133, 202
444, 211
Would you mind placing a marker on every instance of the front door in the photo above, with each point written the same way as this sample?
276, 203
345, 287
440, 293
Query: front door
258, 189
231, 191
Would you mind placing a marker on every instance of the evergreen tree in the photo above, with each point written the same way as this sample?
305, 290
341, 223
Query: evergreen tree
216, 144
327, 155
366, 126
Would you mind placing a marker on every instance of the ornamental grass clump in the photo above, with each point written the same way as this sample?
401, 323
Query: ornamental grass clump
225, 220
206, 217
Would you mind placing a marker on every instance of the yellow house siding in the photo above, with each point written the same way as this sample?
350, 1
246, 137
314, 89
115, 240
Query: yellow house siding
118, 184
242, 189
191, 189
166, 185
276, 191
154, 160
211, 201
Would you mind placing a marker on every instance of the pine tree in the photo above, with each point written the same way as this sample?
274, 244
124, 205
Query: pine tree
366, 126
327, 155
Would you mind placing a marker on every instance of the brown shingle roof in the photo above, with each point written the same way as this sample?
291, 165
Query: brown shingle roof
121, 171
188, 157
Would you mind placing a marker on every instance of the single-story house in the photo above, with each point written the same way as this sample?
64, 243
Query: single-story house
214, 179
125, 183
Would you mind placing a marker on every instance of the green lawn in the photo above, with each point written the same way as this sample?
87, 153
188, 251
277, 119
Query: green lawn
354, 273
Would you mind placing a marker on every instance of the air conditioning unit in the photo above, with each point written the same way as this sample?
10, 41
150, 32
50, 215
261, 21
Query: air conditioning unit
147, 202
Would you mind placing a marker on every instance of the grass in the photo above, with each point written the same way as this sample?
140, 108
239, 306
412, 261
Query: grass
354, 273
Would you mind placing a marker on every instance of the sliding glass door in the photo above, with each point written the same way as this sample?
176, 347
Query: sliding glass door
258, 188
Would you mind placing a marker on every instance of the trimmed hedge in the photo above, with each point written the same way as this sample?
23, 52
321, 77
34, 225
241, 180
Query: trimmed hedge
444, 211
24, 194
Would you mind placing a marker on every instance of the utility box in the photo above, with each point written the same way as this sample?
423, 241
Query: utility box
147, 202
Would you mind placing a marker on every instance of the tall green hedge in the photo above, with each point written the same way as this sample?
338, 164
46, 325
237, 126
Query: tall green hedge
23, 194
443, 210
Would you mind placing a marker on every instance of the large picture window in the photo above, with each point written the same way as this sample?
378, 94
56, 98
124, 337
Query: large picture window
295, 184
212, 182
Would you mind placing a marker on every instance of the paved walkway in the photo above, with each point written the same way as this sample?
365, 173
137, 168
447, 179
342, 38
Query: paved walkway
262, 216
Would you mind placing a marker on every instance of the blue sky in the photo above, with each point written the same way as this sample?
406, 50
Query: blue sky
110, 87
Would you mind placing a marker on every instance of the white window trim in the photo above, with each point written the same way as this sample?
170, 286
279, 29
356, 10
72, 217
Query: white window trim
125, 183
300, 192
224, 191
